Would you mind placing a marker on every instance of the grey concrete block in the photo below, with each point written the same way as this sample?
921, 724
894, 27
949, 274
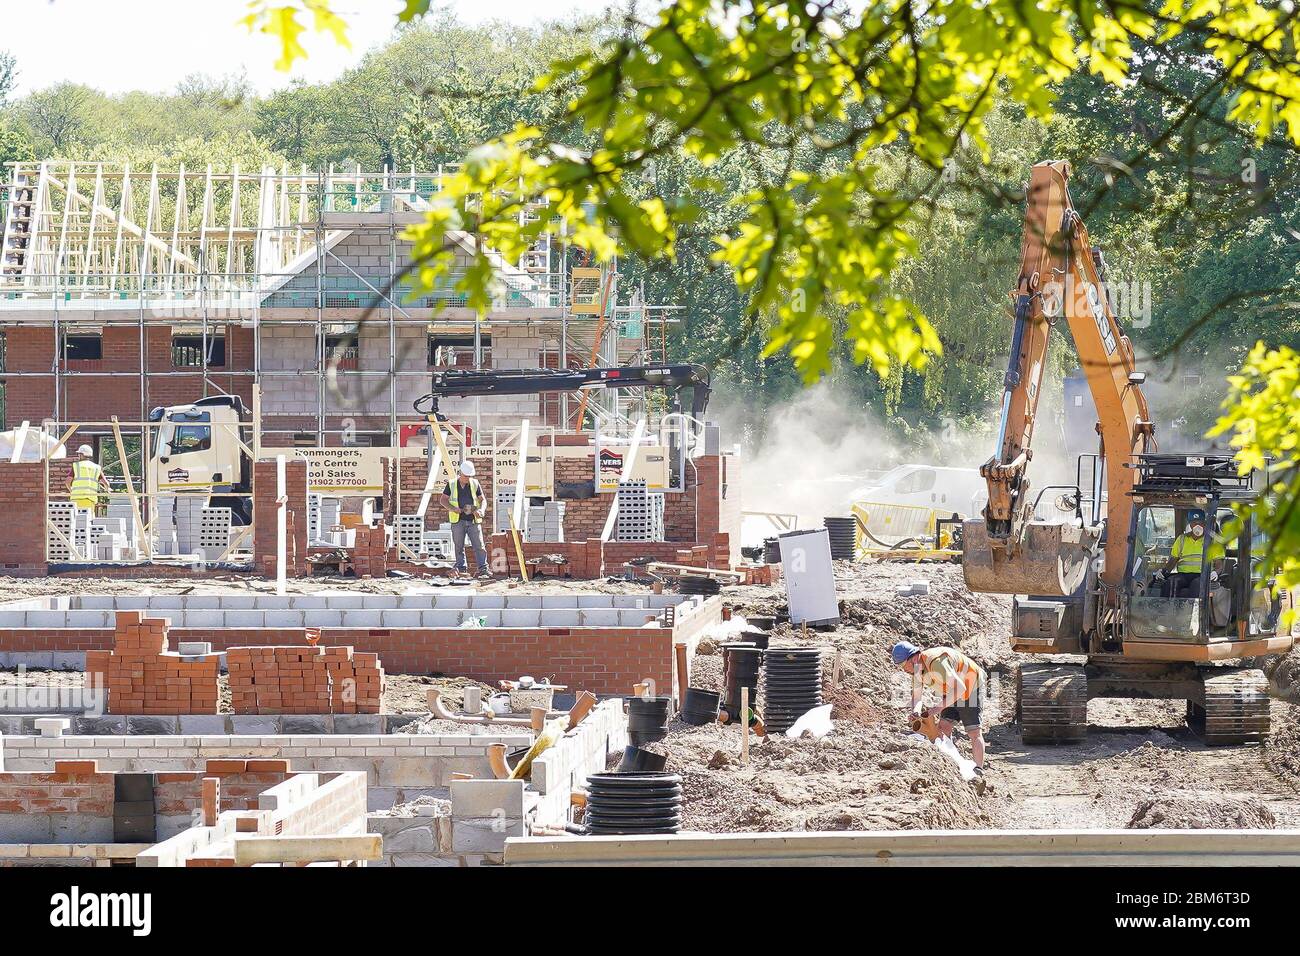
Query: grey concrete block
307, 724
203, 618
11, 726
520, 617
245, 618
422, 859
358, 723
81, 828
484, 834
153, 726
32, 659
68, 660
28, 827
200, 724
401, 618
394, 722
600, 617
109, 724
361, 617
418, 838
287, 618
254, 725
487, 798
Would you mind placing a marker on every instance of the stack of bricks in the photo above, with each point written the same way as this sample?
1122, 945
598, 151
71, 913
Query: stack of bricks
265, 518
22, 500
586, 559
370, 554
766, 574
304, 680
356, 681
143, 677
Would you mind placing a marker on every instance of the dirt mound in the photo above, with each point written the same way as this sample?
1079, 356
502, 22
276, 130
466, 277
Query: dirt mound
1202, 813
1283, 674
857, 778
1282, 752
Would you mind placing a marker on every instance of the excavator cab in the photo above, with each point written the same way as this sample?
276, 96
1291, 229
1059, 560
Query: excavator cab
1188, 590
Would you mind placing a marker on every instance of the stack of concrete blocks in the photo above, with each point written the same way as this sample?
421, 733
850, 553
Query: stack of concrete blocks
74, 524
164, 525
546, 523
108, 540
640, 513
440, 544
409, 534
119, 509
323, 516
504, 507
189, 522
214, 533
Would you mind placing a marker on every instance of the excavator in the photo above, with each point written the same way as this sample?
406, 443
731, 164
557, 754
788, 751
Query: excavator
1091, 584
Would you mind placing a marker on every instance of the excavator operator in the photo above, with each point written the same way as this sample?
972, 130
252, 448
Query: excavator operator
1182, 572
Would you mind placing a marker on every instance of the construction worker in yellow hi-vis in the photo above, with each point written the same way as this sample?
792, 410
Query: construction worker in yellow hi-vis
87, 479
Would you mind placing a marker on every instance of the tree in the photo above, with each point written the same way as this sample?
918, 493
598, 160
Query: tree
8, 75
60, 118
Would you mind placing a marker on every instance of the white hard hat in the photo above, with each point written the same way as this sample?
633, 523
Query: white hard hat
467, 468
86, 450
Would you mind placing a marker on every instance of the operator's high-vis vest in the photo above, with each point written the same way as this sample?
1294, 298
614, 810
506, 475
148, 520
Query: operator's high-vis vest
475, 495
1188, 550
85, 483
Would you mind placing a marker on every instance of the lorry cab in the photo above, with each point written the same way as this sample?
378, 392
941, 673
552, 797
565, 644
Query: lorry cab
198, 449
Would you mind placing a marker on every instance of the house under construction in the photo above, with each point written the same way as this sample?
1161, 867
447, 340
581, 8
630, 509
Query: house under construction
124, 289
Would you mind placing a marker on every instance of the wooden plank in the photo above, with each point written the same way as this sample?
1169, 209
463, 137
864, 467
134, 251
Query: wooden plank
306, 849
687, 570
130, 491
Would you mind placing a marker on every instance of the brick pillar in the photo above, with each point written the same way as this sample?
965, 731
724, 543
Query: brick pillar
22, 502
717, 503
264, 517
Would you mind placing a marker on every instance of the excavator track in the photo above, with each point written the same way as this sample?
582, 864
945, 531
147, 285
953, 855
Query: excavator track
1236, 707
1052, 702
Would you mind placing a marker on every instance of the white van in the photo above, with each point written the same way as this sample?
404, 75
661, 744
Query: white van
948, 490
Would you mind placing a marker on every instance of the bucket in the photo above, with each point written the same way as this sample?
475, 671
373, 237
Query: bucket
647, 719
700, 707
636, 760
633, 802
792, 685
741, 663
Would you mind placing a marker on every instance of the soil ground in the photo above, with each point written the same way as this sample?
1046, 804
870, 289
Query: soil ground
1140, 765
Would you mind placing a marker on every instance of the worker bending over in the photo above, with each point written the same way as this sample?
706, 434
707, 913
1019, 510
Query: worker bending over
463, 500
1182, 572
956, 680
87, 480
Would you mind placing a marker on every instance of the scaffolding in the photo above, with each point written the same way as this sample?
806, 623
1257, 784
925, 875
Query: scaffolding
93, 246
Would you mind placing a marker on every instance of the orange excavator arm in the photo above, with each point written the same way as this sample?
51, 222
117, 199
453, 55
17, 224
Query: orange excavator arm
1061, 275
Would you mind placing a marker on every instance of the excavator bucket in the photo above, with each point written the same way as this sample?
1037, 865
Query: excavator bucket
1051, 560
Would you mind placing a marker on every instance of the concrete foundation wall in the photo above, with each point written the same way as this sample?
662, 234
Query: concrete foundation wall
399, 767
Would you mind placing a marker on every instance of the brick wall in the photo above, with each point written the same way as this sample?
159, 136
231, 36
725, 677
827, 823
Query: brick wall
87, 396
265, 521
601, 660
22, 502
